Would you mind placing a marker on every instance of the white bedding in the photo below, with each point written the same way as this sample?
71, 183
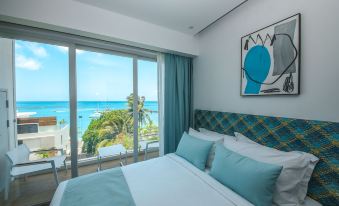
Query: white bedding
171, 180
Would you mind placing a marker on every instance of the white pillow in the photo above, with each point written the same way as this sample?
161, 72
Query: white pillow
291, 186
203, 136
216, 134
227, 138
214, 139
243, 138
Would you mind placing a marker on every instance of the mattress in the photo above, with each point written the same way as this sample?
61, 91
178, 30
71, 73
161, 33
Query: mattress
171, 180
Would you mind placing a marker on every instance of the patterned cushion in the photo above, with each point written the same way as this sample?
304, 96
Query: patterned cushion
319, 138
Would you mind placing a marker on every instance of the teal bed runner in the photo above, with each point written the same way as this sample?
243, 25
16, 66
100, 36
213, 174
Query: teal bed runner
108, 187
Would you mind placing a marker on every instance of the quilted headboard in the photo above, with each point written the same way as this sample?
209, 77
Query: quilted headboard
317, 137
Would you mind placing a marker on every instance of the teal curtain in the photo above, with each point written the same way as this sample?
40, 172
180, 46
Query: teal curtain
177, 99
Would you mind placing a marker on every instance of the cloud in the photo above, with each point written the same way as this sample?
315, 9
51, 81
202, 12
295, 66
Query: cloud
64, 49
17, 45
27, 63
80, 51
37, 50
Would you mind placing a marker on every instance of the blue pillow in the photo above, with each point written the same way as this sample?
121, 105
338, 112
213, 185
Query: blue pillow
194, 150
251, 179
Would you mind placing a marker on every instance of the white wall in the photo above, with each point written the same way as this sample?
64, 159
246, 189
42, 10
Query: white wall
77, 16
6, 76
6, 62
217, 69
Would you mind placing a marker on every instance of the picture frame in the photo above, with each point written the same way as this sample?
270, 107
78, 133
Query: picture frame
270, 59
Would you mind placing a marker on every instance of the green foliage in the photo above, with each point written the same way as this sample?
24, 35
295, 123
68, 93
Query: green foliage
104, 143
43, 154
125, 139
143, 116
107, 127
116, 127
62, 122
150, 131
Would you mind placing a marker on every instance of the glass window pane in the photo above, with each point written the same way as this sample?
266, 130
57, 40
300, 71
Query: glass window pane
148, 108
105, 115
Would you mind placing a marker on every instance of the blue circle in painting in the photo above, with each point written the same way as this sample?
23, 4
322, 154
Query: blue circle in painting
257, 65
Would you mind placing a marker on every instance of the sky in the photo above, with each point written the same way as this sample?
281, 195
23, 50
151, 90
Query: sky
42, 74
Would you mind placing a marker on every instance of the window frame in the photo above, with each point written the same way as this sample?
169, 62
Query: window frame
73, 42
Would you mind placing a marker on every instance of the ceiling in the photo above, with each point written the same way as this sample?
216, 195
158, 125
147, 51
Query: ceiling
187, 16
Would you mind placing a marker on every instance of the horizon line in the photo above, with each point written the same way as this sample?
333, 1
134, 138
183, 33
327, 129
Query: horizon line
80, 101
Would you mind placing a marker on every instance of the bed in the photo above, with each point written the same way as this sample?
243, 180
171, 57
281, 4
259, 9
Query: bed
151, 183
171, 180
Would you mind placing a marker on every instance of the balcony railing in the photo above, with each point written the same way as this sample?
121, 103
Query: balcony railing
44, 132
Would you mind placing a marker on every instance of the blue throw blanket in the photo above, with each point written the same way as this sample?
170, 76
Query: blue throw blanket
108, 187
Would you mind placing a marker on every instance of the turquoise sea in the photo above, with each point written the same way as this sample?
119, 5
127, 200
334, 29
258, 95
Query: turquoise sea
86, 109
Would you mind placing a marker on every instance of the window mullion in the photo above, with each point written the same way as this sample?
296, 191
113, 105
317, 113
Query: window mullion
135, 109
73, 110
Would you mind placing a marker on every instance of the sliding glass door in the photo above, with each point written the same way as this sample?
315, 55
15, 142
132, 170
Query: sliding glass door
148, 110
113, 92
105, 106
42, 98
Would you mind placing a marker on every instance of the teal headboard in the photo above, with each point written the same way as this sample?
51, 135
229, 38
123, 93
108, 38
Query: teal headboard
317, 137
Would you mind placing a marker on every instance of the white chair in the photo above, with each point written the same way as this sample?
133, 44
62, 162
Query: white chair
150, 146
21, 166
111, 151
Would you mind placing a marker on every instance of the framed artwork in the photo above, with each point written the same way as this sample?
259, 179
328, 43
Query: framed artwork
270, 59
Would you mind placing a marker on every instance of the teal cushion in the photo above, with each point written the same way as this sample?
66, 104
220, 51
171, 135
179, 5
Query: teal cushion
194, 150
251, 179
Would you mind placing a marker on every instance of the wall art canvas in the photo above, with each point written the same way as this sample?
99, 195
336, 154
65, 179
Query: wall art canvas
270, 59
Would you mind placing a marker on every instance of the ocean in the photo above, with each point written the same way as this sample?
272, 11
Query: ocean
86, 109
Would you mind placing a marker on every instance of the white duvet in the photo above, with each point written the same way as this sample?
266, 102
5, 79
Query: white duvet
172, 181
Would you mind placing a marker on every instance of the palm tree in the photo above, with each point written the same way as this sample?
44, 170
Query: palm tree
117, 125
143, 113
105, 130
118, 122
